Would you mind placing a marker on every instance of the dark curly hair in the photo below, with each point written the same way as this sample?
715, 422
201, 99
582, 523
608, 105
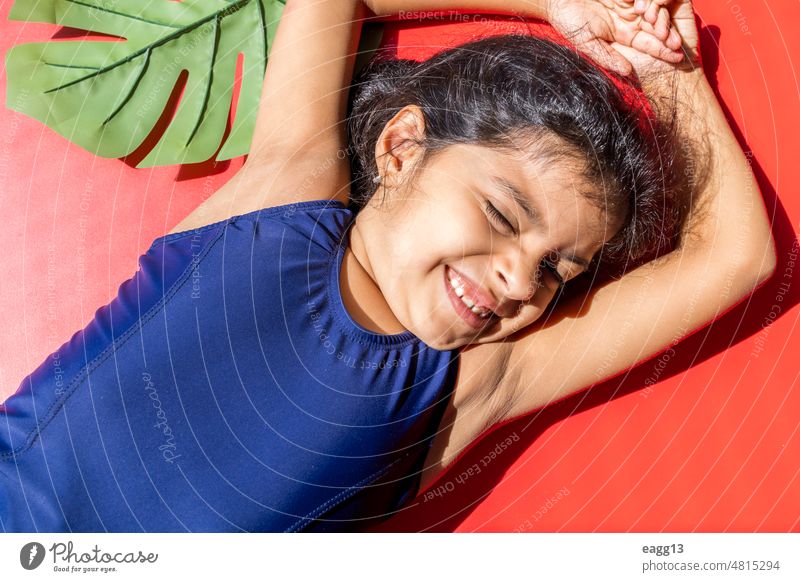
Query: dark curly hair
497, 90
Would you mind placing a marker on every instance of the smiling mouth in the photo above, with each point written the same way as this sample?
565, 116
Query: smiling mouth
474, 314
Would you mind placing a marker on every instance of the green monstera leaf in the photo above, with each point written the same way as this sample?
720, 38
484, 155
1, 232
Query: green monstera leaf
107, 95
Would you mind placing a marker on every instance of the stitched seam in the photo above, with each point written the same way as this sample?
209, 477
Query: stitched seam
343, 496
345, 326
83, 373
179, 235
251, 216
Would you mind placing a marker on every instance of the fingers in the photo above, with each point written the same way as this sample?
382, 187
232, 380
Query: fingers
649, 44
674, 39
655, 13
650, 10
602, 53
662, 24
643, 6
651, 14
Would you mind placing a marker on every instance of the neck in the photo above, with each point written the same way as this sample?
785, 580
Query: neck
359, 250
361, 294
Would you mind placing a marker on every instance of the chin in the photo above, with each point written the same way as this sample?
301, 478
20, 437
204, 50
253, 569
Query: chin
442, 343
432, 340
448, 338
435, 339
445, 346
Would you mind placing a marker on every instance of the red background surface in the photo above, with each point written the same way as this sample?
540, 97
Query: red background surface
711, 446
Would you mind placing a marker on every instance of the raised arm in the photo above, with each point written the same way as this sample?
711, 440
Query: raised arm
308, 73
306, 84
299, 138
729, 253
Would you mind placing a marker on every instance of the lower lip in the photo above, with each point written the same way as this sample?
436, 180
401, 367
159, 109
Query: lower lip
461, 308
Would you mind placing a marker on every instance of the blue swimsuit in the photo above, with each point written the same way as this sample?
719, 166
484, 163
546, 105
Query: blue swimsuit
226, 388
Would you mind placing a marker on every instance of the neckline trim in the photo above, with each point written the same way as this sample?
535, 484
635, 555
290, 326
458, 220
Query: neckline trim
342, 316
253, 215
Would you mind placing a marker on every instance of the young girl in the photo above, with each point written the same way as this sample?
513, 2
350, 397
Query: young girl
287, 360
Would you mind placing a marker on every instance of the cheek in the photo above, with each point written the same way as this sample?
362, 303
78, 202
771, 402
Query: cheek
437, 225
445, 233
462, 231
531, 312
450, 209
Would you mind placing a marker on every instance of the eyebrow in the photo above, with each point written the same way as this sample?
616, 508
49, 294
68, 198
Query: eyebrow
533, 214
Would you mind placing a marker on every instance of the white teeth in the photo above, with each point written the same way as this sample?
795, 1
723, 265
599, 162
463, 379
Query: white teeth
467, 301
459, 290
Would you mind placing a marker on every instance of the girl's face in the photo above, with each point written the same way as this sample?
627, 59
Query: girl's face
489, 227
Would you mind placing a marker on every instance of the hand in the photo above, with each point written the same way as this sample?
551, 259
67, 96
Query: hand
681, 16
597, 27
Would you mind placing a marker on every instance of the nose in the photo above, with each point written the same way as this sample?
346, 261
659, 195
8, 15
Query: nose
519, 274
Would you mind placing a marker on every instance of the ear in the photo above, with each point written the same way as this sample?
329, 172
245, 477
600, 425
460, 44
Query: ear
397, 148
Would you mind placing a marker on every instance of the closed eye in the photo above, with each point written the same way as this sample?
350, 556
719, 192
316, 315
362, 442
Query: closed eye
549, 265
498, 217
553, 270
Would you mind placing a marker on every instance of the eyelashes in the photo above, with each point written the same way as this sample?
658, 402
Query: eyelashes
498, 218
551, 268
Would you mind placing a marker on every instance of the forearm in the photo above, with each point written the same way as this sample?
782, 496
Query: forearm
728, 223
728, 252
531, 8
304, 93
